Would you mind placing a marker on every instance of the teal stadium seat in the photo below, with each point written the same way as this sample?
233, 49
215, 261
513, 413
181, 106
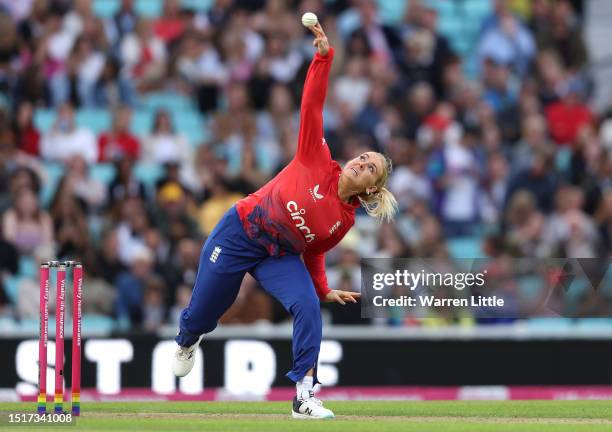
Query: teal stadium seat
97, 120
11, 287
563, 159
28, 267
188, 123
170, 101
149, 8
465, 247
8, 325
392, 12
197, 5
103, 172
97, 324
44, 118
54, 172
148, 174
142, 122
105, 8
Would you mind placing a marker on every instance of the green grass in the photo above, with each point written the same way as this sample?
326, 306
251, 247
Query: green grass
377, 416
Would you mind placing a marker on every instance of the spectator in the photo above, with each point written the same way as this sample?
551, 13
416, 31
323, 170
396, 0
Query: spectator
131, 287
534, 137
200, 65
164, 144
119, 142
508, 42
25, 225
65, 140
569, 232
125, 19
382, 40
458, 184
559, 32
171, 214
143, 56
220, 200
539, 179
132, 226
171, 24
70, 221
85, 68
524, 224
494, 188
79, 184
568, 115
125, 185
604, 221
352, 89
26, 134
154, 311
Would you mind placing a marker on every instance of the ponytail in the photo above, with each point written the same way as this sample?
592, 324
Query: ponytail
381, 204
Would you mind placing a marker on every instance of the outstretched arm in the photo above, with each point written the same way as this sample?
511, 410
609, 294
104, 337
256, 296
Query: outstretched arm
313, 97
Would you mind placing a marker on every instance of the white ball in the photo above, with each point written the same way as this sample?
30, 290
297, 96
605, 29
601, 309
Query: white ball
309, 19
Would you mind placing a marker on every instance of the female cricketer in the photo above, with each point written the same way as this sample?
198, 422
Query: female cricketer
280, 234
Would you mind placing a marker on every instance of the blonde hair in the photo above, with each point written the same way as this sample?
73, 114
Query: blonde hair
381, 204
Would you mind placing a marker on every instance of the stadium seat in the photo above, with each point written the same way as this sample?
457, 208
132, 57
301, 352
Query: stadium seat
197, 5
465, 247
11, 287
98, 120
94, 323
563, 159
54, 172
27, 267
8, 324
148, 174
142, 122
103, 172
168, 100
189, 123
149, 8
105, 8
43, 118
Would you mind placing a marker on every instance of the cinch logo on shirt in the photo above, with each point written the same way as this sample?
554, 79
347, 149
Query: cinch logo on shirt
215, 254
314, 193
299, 220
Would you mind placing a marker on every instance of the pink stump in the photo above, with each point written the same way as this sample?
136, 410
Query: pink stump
60, 308
42, 338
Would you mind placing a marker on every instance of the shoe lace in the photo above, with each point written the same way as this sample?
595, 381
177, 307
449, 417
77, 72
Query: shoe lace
314, 399
183, 353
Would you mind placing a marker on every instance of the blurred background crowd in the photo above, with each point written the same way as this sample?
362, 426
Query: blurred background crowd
128, 127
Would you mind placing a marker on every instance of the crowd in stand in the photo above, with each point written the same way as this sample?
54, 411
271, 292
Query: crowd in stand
512, 154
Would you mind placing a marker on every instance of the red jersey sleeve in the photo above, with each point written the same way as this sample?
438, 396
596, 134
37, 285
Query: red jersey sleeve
311, 111
315, 264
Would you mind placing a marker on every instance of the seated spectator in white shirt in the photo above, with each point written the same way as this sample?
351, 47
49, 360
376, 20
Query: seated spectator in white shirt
164, 144
65, 139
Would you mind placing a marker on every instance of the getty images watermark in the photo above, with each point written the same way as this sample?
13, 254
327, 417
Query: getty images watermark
486, 288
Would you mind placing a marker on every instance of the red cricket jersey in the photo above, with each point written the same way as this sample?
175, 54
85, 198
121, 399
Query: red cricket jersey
299, 210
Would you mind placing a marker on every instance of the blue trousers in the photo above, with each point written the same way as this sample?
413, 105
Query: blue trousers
226, 256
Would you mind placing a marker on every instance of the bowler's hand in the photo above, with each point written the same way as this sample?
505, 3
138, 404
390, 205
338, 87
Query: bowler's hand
320, 41
337, 296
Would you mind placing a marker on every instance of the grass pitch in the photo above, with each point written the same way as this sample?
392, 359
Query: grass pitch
378, 416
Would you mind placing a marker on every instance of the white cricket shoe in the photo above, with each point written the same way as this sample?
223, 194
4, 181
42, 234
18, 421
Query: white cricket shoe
184, 359
310, 408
